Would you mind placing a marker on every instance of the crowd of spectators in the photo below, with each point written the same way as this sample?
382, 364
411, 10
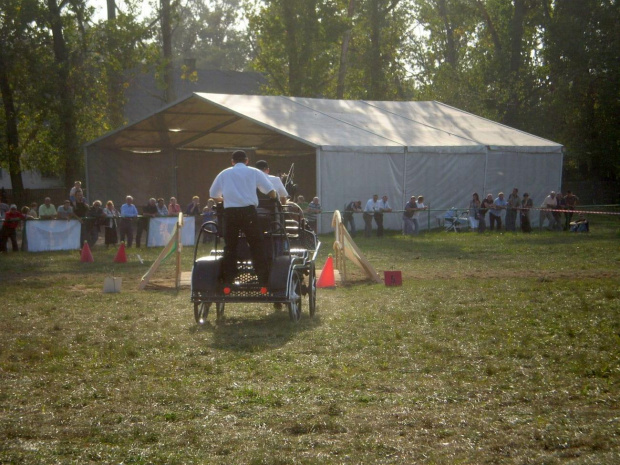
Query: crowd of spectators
492, 213
94, 217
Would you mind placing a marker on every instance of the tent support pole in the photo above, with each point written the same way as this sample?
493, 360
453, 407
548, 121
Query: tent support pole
404, 194
318, 183
486, 162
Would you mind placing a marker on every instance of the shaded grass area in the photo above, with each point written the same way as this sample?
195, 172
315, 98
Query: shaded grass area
496, 349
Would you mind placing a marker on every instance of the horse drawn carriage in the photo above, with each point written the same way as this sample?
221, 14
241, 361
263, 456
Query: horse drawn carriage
291, 248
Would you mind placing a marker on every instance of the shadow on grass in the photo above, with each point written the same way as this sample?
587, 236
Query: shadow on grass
247, 333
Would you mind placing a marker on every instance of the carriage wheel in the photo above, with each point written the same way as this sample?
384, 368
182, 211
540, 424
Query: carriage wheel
312, 290
219, 309
294, 307
201, 312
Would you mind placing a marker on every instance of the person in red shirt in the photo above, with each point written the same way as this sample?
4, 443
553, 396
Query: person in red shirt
9, 228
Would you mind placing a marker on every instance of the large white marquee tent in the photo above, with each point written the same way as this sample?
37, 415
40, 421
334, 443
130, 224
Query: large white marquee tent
342, 150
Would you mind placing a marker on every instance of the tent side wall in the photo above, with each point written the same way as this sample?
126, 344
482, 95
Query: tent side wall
357, 174
445, 179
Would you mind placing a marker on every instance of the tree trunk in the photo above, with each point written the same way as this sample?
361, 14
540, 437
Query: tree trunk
66, 97
374, 63
511, 117
344, 59
294, 73
166, 36
111, 9
451, 55
12, 135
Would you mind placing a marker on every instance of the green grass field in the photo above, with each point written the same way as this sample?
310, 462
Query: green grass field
498, 348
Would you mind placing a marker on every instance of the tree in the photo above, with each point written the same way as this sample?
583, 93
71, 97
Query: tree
23, 64
296, 44
582, 78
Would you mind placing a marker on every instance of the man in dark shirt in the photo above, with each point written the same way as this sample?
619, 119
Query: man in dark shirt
80, 209
148, 211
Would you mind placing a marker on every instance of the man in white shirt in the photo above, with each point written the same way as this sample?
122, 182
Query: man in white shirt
275, 180
384, 207
372, 206
236, 187
550, 203
419, 206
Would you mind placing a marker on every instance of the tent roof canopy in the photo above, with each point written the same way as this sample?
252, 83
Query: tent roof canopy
287, 125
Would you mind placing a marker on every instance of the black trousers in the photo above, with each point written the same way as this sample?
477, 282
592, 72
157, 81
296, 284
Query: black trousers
7, 233
143, 226
245, 220
379, 221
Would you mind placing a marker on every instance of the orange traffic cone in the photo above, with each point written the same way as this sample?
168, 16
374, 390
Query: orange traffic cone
327, 278
121, 256
87, 256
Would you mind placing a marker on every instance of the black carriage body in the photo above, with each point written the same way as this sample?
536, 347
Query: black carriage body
291, 248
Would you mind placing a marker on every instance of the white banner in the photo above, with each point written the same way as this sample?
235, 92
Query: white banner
44, 235
161, 229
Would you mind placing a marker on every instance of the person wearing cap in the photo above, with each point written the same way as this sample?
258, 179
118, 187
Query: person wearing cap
275, 181
11, 221
236, 187
550, 203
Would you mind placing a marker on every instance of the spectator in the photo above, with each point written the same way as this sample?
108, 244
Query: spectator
312, 212
47, 211
495, 212
80, 208
193, 208
29, 213
96, 218
148, 211
161, 208
550, 203
301, 203
571, 203
12, 219
370, 208
409, 211
129, 213
384, 207
173, 207
34, 208
416, 214
557, 215
355, 206
77, 185
474, 211
208, 214
526, 204
65, 211
486, 203
111, 234
512, 207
